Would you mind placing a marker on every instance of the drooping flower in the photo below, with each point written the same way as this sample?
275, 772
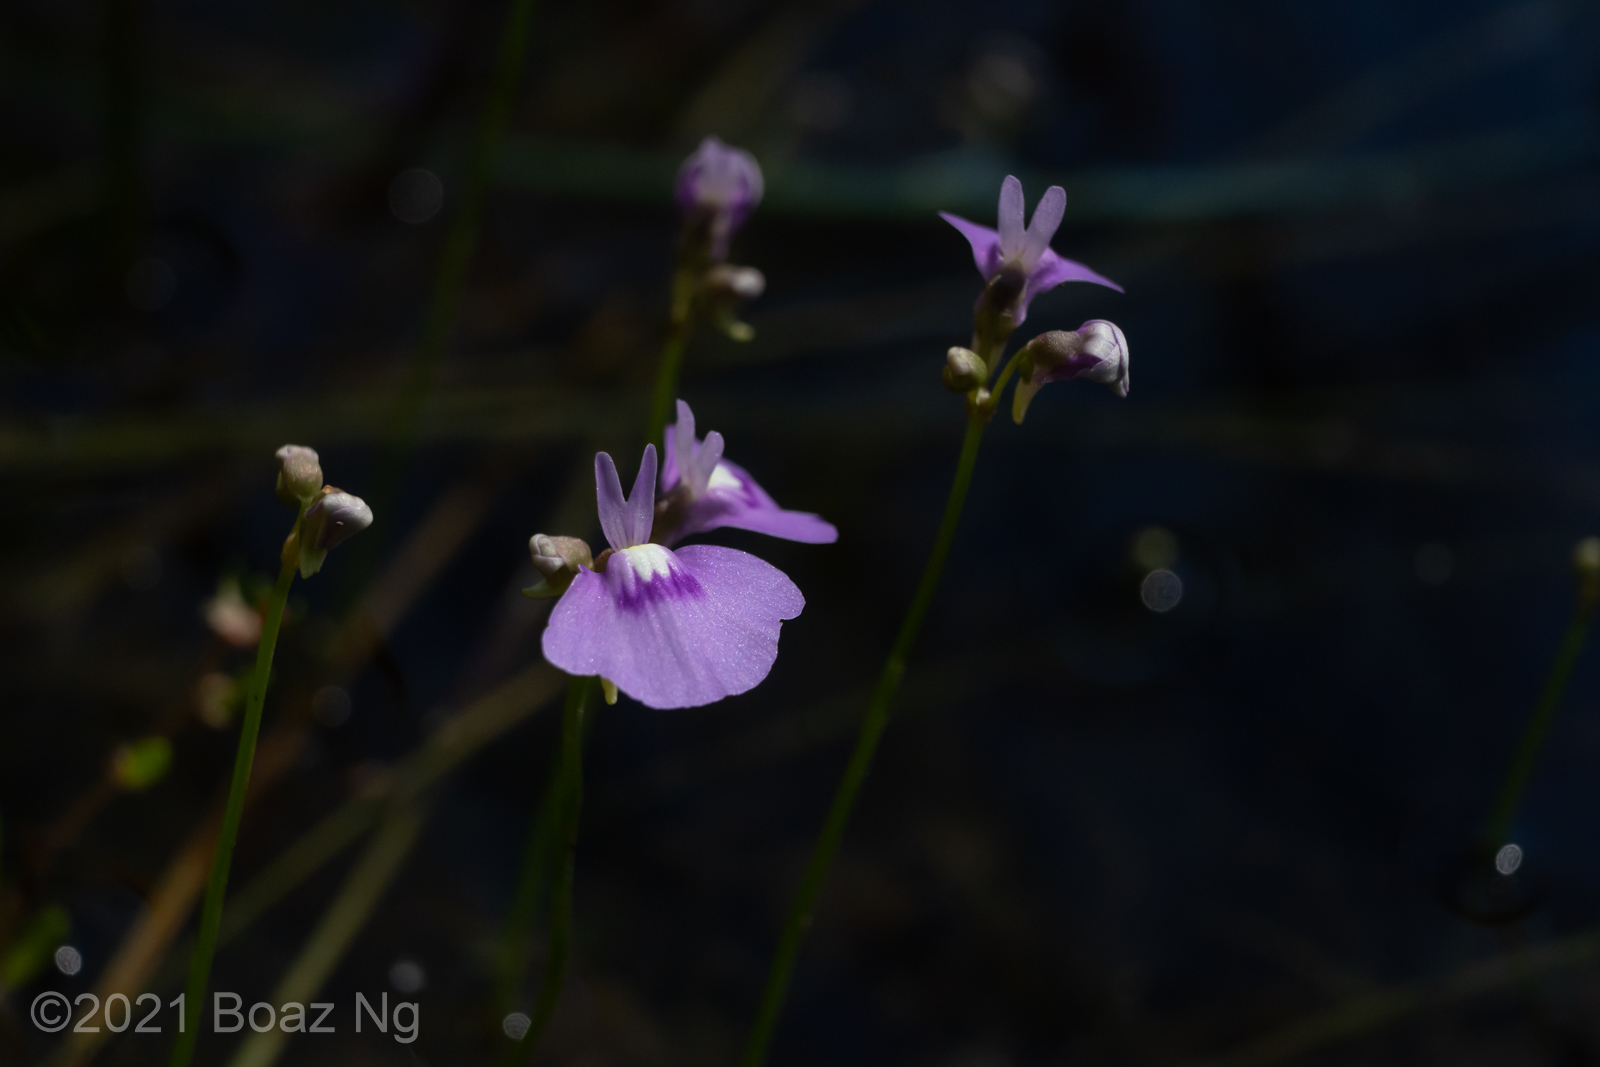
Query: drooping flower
702, 491
722, 182
671, 628
1025, 249
333, 519
1097, 350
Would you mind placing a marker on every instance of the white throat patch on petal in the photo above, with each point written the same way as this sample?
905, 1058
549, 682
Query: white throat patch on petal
647, 561
723, 478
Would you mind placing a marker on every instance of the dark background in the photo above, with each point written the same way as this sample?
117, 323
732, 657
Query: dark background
1359, 246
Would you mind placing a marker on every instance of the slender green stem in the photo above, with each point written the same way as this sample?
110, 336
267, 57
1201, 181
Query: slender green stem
579, 692
460, 243
1005, 376
872, 727
530, 887
1539, 723
679, 326
227, 834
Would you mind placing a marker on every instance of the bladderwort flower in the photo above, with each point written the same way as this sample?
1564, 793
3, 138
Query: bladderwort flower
1024, 251
723, 185
717, 188
1097, 351
1017, 264
672, 628
333, 519
700, 491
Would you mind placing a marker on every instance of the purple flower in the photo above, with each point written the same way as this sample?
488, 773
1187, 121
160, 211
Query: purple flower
672, 629
702, 491
1025, 249
1097, 350
724, 183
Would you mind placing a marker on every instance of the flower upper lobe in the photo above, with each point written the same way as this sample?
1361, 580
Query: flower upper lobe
1026, 247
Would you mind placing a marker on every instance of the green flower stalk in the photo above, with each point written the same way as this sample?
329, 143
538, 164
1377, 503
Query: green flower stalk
566, 796
1017, 265
1586, 568
324, 517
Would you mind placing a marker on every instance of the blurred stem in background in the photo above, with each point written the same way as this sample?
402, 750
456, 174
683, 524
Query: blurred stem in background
450, 281
872, 727
222, 858
1586, 564
569, 796
679, 327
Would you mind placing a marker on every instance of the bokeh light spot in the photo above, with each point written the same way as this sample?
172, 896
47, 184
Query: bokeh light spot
408, 976
416, 195
1161, 590
69, 961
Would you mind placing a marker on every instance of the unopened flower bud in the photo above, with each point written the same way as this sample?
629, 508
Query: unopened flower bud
1105, 341
964, 370
328, 523
722, 185
299, 475
557, 560
1097, 350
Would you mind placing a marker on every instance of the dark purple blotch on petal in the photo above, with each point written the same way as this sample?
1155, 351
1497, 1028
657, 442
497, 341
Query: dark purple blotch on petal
674, 629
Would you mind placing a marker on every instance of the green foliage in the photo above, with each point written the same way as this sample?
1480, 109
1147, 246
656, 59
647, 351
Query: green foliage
35, 946
141, 764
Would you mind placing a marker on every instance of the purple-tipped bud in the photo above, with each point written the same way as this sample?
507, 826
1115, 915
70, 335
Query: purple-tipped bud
328, 523
557, 560
1097, 350
723, 183
964, 370
299, 475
